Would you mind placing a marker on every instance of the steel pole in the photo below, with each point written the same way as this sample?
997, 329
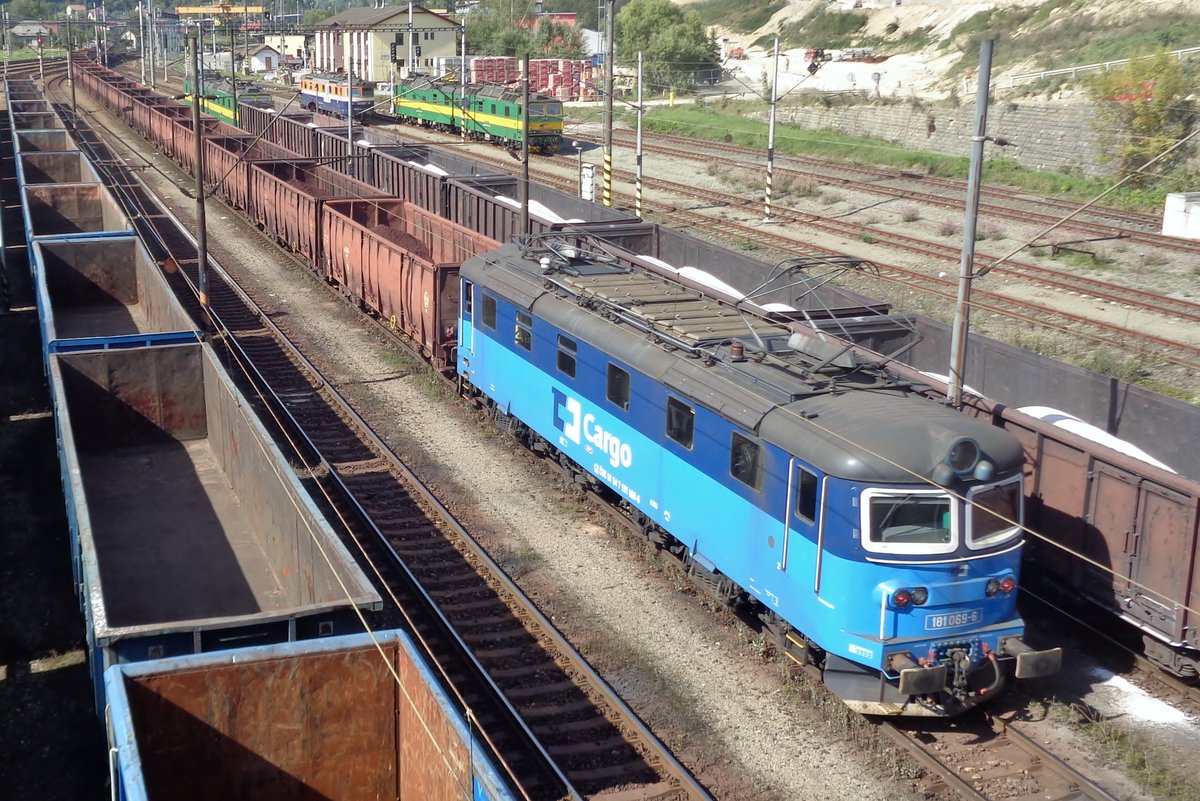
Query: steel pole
771, 137
962, 310
232, 71
640, 110
201, 223
349, 108
608, 103
150, 40
525, 147
462, 84
71, 72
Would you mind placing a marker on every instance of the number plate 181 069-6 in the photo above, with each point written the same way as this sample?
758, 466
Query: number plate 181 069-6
952, 620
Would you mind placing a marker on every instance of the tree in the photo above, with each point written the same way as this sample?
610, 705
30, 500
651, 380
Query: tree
676, 48
497, 28
313, 16
1143, 109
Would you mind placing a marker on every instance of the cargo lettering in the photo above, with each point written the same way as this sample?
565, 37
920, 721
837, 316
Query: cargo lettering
572, 422
619, 453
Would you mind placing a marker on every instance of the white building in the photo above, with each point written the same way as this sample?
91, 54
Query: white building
367, 36
293, 49
265, 58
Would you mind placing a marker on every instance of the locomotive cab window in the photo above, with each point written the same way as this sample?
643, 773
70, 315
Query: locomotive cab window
681, 422
566, 356
618, 387
991, 509
806, 495
909, 521
523, 332
489, 311
745, 461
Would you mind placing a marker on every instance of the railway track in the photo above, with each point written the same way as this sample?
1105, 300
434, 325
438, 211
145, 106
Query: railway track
1151, 302
983, 760
1099, 222
554, 724
1011, 779
1125, 339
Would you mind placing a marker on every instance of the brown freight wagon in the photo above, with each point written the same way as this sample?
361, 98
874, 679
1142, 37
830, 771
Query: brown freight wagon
227, 163
401, 262
183, 142
286, 199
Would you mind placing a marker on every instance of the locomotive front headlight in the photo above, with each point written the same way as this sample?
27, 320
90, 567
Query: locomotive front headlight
920, 595
902, 598
993, 587
963, 456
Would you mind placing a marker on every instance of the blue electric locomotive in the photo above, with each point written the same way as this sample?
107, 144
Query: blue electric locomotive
874, 531
330, 94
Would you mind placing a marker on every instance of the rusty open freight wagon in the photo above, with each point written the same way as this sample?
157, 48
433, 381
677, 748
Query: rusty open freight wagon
341, 719
189, 530
104, 293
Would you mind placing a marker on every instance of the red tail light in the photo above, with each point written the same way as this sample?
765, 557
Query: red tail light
1008, 584
901, 598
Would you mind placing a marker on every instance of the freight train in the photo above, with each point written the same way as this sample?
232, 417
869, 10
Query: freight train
437, 309
163, 564
488, 112
202, 598
916, 529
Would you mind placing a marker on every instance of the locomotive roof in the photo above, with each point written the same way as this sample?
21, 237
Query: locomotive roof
244, 88
850, 418
491, 91
332, 77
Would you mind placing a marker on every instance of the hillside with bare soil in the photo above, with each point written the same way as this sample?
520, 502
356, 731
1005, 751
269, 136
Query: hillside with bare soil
932, 45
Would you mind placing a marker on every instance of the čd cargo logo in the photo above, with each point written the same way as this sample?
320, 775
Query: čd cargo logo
579, 427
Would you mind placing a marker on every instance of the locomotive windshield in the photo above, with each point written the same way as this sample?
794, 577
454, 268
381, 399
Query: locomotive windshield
992, 508
918, 521
545, 109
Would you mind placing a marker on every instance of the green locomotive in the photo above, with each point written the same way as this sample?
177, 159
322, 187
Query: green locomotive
219, 95
488, 112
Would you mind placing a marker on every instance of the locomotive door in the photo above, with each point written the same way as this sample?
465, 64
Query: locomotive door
802, 524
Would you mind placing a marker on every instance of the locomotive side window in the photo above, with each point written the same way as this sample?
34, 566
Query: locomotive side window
523, 333
991, 509
806, 495
744, 461
681, 422
618, 386
916, 521
489, 311
566, 356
